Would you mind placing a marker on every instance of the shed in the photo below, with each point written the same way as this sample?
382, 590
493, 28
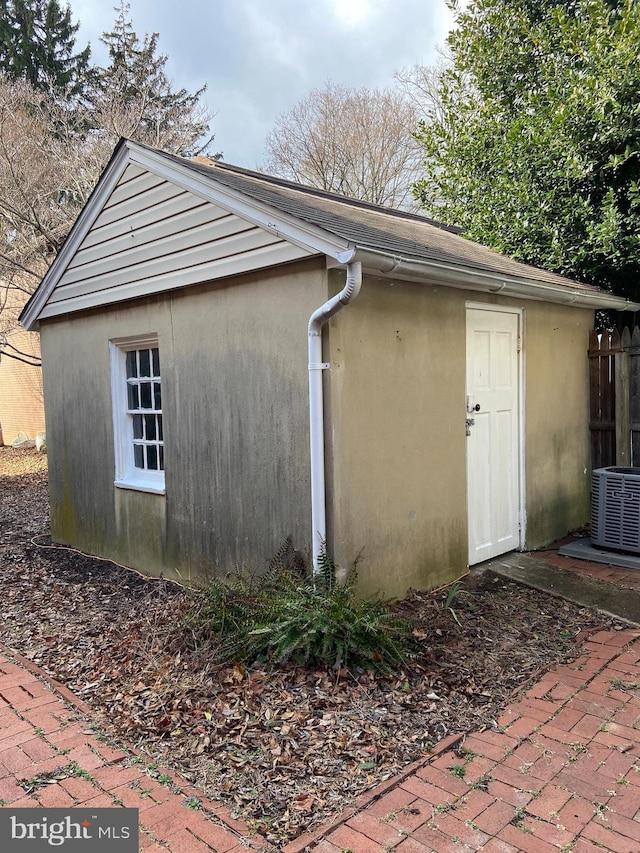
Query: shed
198, 311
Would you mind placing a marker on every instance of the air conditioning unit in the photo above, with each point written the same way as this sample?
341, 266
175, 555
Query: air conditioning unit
615, 509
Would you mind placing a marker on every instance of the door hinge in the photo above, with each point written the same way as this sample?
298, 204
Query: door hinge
518, 344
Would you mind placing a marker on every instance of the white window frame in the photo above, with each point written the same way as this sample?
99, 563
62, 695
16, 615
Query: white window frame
127, 476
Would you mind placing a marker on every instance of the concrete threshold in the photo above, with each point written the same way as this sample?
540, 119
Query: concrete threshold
623, 604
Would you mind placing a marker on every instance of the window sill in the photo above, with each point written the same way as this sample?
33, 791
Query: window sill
141, 486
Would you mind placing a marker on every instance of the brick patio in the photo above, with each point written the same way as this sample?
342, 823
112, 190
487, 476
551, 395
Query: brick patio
561, 772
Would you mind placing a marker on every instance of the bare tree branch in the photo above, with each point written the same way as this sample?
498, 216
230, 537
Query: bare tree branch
357, 142
18, 355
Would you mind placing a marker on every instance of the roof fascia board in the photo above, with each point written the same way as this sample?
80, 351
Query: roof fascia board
453, 275
284, 225
79, 230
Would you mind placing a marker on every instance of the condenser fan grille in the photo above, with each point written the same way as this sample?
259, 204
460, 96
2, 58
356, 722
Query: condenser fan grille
615, 509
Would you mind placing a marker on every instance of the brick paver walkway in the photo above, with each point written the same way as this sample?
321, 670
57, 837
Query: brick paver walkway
560, 772
50, 757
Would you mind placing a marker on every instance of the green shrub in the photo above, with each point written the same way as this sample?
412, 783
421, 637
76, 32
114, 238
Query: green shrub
286, 615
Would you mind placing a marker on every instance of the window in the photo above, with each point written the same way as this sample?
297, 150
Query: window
137, 413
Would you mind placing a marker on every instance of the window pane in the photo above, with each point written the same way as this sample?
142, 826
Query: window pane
161, 451
157, 396
131, 364
150, 427
160, 436
132, 397
155, 357
152, 457
145, 362
138, 455
137, 426
145, 395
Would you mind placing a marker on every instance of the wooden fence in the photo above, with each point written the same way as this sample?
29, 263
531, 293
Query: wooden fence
614, 379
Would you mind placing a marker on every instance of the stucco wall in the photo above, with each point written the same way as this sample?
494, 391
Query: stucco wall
396, 429
397, 439
557, 442
234, 371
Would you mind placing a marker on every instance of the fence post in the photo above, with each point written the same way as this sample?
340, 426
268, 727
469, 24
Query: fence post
622, 396
634, 396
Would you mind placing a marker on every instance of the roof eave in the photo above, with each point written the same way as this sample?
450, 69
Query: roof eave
467, 278
304, 234
31, 312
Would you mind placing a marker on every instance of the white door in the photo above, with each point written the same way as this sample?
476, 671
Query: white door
493, 446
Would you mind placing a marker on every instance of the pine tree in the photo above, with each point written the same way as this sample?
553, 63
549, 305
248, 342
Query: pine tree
133, 96
37, 44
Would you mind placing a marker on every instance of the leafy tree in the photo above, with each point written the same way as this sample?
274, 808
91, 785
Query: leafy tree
37, 44
133, 97
536, 150
357, 142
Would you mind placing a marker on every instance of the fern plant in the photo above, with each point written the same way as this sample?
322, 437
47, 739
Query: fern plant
286, 615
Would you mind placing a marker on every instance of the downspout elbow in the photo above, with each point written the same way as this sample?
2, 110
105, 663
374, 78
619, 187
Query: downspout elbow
348, 293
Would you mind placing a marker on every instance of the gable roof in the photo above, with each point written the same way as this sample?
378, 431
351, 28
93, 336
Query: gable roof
295, 221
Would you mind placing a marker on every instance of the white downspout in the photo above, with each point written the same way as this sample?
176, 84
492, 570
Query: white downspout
316, 406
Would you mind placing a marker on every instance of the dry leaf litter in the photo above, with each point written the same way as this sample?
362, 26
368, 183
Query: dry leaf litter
284, 749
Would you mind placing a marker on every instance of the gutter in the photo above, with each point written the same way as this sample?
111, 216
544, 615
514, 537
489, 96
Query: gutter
465, 278
412, 269
316, 404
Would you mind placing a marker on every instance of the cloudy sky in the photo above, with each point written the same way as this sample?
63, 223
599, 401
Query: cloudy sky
260, 57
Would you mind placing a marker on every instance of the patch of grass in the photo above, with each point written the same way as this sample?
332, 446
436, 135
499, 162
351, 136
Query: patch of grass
286, 615
452, 595
41, 779
517, 820
621, 684
465, 753
481, 783
74, 769
458, 770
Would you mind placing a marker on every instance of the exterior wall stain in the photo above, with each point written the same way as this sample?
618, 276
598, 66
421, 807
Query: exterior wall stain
235, 412
235, 401
64, 524
397, 450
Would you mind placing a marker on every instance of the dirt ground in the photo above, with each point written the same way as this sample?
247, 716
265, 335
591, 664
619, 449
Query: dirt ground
284, 749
